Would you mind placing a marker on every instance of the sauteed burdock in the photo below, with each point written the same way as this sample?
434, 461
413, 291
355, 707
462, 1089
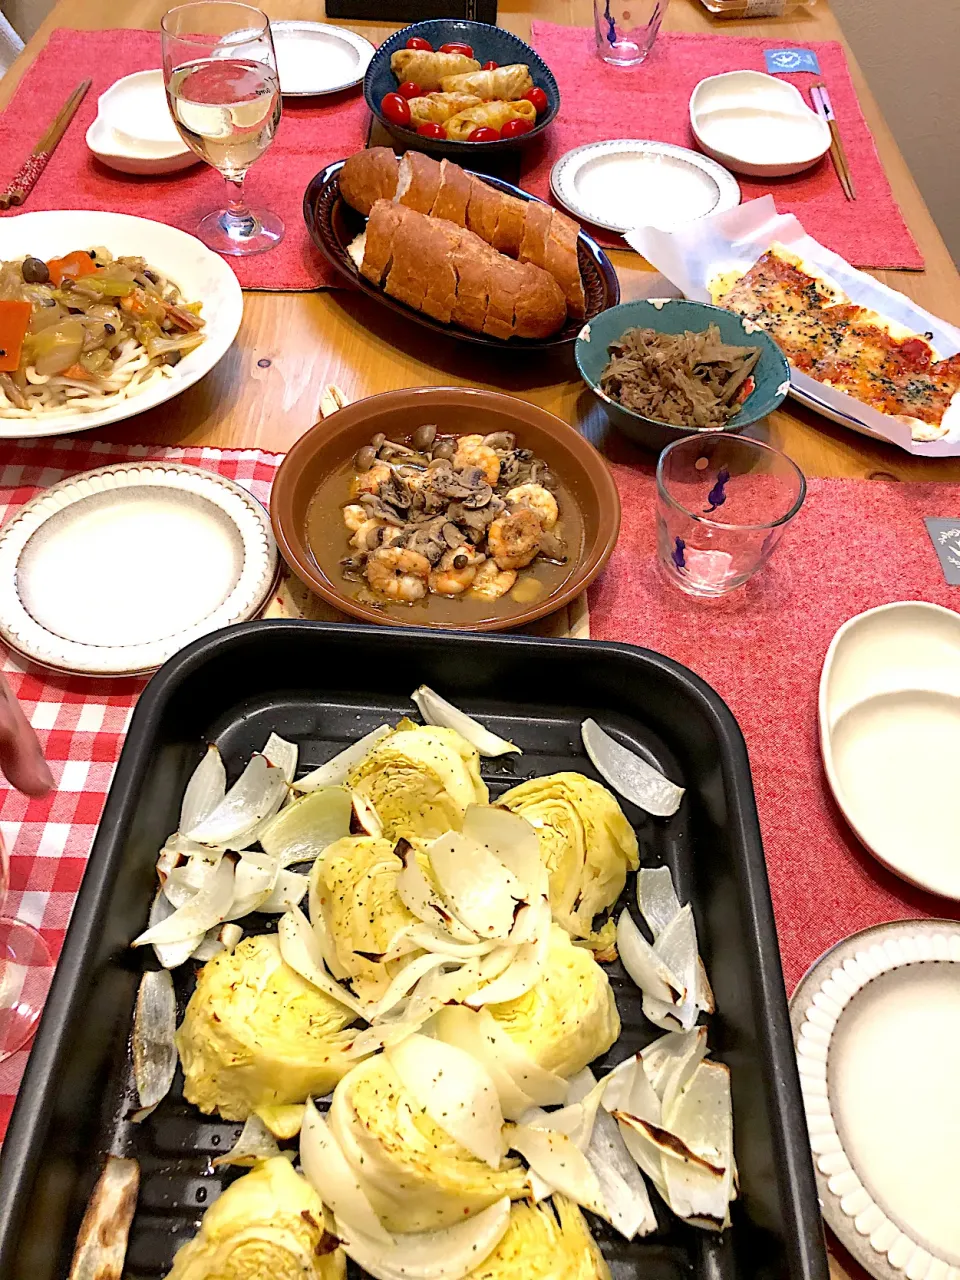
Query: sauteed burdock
460, 525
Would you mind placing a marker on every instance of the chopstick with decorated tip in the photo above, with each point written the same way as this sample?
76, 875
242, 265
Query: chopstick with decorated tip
24, 182
824, 109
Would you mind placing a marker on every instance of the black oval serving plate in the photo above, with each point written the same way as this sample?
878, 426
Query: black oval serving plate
489, 44
333, 225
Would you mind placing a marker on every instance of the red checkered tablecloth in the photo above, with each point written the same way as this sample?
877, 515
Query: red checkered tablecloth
81, 722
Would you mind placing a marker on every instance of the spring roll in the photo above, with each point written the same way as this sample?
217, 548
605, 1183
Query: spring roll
492, 114
506, 83
437, 108
427, 69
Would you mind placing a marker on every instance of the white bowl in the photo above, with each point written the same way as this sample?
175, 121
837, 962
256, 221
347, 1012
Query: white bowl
890, 737
202, 276
134, 131
757, 124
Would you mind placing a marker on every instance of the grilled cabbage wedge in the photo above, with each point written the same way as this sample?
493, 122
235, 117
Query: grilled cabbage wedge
547, 1243
257, 1034
357, 877
416, 1176
420, 780
586, 843
268, 1224
569, 1017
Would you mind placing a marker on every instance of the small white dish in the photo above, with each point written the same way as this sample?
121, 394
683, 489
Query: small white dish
889, 716
314, 58
876, 1024
201, 275
134, 131
757, 125
627, 183
113, 571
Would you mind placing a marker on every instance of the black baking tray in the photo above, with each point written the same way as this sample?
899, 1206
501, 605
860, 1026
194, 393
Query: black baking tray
323, 685
333, 225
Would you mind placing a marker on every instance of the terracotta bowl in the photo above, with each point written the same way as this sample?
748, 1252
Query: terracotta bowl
329, 445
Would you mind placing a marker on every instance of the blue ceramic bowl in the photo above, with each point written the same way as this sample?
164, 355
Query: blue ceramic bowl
489, 44
677, 315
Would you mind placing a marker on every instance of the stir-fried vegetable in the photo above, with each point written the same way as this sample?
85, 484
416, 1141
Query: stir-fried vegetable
14, 321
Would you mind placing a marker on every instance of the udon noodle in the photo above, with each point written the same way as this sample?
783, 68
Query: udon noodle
99, 330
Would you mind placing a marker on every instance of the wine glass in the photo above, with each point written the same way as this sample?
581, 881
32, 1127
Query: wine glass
26, 971
220, 73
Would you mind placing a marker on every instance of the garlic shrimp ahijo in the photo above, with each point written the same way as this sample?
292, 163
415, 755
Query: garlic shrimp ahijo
466, 527
86, 330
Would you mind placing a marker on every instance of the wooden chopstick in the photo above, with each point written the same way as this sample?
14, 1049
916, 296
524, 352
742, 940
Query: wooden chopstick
824, 109
26, 179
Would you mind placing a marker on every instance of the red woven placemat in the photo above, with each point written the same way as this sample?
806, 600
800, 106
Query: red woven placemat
313, 133
653, 101
81, 723
853, 546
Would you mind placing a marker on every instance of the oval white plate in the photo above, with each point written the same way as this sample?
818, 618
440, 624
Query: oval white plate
627, 183
876, 1024
889, 712
201, 275
112, 571
313, 58
756, 124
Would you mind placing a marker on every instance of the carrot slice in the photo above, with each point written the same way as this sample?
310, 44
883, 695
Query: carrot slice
78, 373
14, 320
71, 267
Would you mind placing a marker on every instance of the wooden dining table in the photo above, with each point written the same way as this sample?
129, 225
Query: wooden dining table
292, 347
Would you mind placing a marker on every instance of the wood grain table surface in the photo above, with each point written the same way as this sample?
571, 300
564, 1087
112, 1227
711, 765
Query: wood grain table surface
333, 336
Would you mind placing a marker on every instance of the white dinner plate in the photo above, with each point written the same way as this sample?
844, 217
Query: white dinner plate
876, 1024
113, 571
889, 715
201, 275
629, 183
314, 58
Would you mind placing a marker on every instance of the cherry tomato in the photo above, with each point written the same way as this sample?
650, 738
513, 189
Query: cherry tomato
396, 109
483, 134
431, 130
418, 42
538, 98
514, 128
410, 90
490, 66
456, 47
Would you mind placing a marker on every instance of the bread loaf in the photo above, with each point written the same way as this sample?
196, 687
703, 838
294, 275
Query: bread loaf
369, 176
527, 230
444, 270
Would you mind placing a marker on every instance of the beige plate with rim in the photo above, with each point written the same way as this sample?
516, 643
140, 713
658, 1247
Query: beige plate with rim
876, 1023
113, 571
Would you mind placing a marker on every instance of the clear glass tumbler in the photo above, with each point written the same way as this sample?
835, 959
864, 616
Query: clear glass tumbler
626, 29
220, 72
26, 971
723, 502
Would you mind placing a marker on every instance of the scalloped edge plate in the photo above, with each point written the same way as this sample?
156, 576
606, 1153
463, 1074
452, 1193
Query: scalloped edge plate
566, 179
243, 590
847, 977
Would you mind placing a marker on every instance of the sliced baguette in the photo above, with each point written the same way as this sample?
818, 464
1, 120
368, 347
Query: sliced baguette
369, 176
418, 181
446, 271
561, 260
454, 194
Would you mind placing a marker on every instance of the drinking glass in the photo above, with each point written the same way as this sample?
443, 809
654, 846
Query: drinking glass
26, 970
627, 29
723, 502
220, 73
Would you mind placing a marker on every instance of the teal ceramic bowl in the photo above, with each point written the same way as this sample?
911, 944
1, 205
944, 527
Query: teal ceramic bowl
677, 315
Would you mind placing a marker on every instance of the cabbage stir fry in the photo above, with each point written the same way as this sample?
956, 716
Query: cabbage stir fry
84, 330
436, 969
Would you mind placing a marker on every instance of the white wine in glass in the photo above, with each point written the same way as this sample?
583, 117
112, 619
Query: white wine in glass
26, 971
220, 72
